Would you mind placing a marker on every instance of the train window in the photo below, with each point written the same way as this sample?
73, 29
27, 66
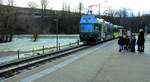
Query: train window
100, 27
96, 28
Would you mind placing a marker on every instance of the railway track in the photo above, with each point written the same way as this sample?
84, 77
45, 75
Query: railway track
13, 68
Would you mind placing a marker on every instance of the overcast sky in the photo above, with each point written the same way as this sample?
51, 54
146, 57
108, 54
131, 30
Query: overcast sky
135, 5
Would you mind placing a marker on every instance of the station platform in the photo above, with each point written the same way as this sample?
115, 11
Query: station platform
101, 63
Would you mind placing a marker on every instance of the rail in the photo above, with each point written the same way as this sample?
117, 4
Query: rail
11, 68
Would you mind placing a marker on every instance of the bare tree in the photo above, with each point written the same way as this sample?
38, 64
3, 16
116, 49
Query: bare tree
35, 30
44, 4
111, 12
10, 2
32, 4
1, 8
123, 14
80, 8
1, 29
9, 18
44, 22
139, 14
131, 14
1, 2
31, 22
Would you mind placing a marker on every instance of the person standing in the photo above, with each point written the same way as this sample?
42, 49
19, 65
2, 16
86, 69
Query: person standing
141, 41
124, 42
120, 43
133, 43
127, 42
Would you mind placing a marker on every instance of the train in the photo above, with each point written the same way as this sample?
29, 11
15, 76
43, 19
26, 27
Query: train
94, 29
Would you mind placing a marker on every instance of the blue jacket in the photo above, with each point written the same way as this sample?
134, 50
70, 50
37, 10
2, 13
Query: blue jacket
120, 41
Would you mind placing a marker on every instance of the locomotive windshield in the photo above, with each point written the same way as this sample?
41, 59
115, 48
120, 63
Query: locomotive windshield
88, 23
86, 28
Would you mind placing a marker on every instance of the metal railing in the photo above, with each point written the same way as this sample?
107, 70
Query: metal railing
43, 50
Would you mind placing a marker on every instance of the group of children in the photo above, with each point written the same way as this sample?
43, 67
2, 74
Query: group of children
127, 43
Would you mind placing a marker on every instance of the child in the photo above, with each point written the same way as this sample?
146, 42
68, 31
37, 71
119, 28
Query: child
133, 43
120, 43
124, 42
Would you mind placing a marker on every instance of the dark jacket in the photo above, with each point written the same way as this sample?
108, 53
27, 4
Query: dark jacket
124, 41
127, 40
141, 39
120, 41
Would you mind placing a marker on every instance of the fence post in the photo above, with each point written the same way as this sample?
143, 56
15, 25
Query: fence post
33, 52
78, 42
43, 49
59, 46
18, 52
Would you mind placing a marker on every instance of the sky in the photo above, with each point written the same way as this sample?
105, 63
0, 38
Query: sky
135, 5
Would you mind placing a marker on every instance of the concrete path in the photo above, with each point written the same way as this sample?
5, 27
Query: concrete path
102, 63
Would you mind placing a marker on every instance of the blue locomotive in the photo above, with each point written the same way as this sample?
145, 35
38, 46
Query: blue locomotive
93, 29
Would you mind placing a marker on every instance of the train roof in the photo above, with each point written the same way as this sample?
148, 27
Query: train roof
108, 23
118, 27
103, 21
88, 19
100, 20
